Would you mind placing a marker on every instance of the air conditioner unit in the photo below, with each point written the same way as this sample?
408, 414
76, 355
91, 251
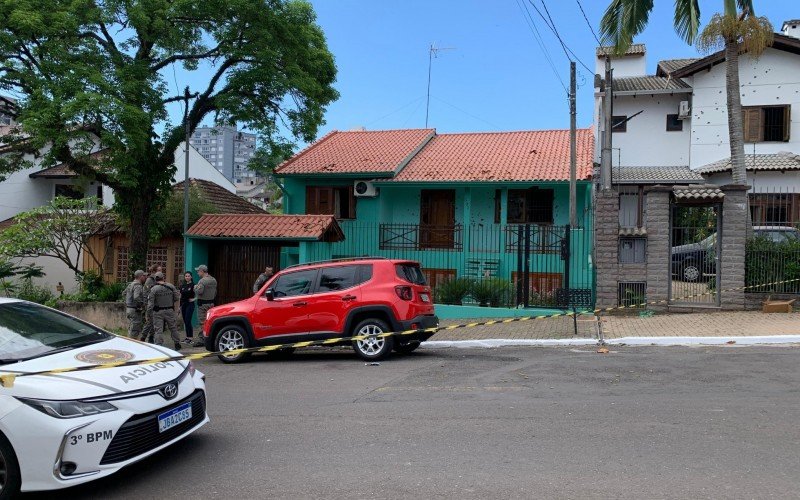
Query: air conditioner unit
684, 110
364, 189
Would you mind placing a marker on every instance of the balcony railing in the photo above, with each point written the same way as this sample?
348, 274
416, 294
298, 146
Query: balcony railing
420, 237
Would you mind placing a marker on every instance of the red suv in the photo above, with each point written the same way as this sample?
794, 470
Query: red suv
329, 300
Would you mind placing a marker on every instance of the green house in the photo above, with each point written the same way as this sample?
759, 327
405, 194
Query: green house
489, 207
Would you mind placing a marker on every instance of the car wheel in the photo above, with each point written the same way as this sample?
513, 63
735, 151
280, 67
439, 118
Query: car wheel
407, 347
10, 479
690, 272
373, 347
230, 338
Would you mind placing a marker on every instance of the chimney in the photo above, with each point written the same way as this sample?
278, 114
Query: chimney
791, 28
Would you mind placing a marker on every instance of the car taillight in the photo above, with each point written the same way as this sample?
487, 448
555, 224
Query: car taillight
404, 292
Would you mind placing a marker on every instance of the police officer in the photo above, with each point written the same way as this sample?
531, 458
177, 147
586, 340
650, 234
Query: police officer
263, 278
150, 282
161, 306
206, 292
135, 303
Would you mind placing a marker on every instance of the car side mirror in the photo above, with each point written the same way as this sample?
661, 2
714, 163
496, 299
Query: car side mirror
269, 294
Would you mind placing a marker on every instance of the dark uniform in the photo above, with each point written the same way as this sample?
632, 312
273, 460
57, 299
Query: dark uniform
262, 278
161, 308
134, 307
206, 291
147, 330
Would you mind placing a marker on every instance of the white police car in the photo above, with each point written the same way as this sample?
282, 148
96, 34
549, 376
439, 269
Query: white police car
63, 429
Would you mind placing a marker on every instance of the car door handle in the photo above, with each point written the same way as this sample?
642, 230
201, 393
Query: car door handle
348, 298
300, 304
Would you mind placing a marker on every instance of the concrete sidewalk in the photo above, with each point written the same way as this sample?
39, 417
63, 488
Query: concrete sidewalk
713, 324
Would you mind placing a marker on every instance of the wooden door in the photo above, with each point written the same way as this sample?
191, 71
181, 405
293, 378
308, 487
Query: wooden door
236, 265
437, 218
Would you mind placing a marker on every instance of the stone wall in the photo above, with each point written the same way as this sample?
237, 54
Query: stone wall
606, 247
734, 236
658, 249
106, 315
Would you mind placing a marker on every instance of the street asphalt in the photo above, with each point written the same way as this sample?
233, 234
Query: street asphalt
649, 422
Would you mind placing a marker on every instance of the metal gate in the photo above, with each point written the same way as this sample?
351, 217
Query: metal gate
236, 265
542, 277
695, 253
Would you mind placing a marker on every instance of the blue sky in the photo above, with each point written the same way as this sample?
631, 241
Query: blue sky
496, 78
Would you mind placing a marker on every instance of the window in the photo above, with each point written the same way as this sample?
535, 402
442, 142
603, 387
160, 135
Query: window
530, 206
631, 207
337, 201
296, 283
632, 293
619, 123
766, 123
674, 124
334, 279
411, 273
69, 191
774, 209
632, 250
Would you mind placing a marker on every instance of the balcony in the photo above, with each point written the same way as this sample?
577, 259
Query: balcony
420, 237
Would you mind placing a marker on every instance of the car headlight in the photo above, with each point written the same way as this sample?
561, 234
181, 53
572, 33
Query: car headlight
68, 409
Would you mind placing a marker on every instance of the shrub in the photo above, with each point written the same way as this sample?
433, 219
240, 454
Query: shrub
767, 261
454, 291
494, 292
33, 293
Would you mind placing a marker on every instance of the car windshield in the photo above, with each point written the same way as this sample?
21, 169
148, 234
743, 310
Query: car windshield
30, 331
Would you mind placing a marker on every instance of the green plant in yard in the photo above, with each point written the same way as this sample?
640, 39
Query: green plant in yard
767, 261
494, 292
7, 271
454, 291
34, 293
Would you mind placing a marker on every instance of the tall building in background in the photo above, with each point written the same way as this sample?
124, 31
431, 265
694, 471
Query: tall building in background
228, 149
6, 113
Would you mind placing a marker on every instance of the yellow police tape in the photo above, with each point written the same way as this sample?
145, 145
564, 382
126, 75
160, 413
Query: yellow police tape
7, 380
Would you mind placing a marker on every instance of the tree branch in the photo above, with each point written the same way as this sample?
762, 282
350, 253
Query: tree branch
184, 57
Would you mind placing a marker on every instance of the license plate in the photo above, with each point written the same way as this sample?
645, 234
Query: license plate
174, 417
424, 297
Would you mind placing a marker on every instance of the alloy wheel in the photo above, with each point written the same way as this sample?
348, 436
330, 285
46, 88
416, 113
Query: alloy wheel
230, 340
372, 345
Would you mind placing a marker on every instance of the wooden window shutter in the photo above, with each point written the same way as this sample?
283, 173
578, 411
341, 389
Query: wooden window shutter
787, 111
351, 203
312, 203
753, 126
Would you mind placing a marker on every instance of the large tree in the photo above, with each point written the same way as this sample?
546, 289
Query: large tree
735, 30
95, 75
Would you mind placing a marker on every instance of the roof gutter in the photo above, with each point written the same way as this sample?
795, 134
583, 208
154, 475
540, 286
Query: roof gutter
647, 92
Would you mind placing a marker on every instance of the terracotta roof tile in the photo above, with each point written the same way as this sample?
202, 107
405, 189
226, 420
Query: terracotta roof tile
667, 66
634, 49
267, 226
368, 152
500, 156
695, 193
656, 175
773, 161
225, 201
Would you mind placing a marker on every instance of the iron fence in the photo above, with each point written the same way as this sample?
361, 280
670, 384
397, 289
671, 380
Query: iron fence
502, 265
772, 253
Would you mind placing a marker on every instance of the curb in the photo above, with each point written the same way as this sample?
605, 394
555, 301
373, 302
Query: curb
624, 341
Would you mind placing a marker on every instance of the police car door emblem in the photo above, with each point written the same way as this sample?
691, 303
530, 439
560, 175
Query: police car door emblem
168, 391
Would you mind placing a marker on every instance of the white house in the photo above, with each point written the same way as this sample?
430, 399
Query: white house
677, 117
34, 186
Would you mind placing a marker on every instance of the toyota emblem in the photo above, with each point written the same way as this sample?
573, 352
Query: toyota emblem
169, 391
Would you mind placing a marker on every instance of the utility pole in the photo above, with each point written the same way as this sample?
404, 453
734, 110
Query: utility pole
573, 211
605, 154
433, 52
186, 97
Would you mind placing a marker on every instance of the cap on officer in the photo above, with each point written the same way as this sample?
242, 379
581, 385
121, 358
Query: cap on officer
202, 267
138, 273
158, 276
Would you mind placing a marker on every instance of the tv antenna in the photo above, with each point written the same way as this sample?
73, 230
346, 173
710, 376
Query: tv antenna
432, 52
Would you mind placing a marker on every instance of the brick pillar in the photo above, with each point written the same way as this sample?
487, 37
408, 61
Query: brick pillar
658, 250
606, 261
734, 236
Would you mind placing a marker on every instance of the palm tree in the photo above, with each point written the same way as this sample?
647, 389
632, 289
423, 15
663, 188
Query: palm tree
736, 30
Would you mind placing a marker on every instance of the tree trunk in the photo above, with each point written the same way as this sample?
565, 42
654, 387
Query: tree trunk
140, 212
735, 126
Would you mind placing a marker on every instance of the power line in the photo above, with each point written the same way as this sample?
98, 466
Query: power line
551, 24
591, 28
526, 15
466, 112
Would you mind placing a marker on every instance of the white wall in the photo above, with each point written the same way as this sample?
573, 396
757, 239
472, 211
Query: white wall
634, 65
646, 141
764, 181
772, 79
199, 168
